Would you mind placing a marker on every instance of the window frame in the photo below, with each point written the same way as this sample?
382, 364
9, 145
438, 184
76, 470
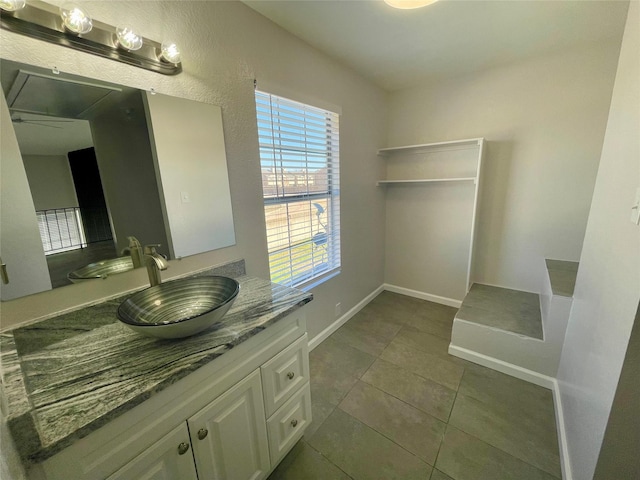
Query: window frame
311, 275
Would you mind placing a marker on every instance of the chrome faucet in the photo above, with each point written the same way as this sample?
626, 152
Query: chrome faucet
155, 263
135, 251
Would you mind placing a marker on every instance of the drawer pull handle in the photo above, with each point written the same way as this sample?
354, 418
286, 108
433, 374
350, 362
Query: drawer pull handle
183, 448
290, 375
202, 433
294, 423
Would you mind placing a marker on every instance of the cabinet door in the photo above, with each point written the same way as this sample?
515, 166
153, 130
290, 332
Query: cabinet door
167, 459
229, 436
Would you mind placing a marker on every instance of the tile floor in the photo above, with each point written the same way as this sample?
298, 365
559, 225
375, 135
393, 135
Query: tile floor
389, 402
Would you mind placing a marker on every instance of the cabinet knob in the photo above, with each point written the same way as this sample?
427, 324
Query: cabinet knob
182, 448
294, 423
202, 433
290, 375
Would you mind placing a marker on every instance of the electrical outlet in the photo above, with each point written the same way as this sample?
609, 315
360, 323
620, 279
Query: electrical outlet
338, 309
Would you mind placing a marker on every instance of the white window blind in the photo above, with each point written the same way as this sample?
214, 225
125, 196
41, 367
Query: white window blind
299, 158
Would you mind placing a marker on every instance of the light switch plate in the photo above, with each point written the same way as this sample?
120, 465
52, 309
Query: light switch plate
635, 210
185, 197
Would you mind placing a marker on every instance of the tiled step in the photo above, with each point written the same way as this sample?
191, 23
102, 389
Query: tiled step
504, 309
563, 276
518, 333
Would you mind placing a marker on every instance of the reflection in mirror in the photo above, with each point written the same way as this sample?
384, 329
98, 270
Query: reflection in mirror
102, 163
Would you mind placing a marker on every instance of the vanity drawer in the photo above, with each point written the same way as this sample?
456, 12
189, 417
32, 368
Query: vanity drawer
284, 374
286, 426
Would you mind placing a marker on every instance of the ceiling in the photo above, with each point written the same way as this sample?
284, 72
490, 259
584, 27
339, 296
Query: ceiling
398, 49
51, 112
51, 136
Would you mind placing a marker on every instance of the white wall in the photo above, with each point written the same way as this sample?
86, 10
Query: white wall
608, 284
50, 181
226, 46
544, 119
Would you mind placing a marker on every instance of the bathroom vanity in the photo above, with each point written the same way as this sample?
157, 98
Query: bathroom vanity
90, 399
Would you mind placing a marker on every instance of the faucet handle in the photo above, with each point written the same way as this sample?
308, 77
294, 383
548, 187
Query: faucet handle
133, 242
3, 272
151, 249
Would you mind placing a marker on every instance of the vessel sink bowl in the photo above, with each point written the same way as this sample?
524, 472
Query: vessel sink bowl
101, 269
180, 308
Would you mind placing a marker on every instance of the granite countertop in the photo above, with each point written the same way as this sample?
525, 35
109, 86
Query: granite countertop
66, 376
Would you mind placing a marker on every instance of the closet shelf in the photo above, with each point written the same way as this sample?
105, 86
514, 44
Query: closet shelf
428, 146
427, 180
434, 252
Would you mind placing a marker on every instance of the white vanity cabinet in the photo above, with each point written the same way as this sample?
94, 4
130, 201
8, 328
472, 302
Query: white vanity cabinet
234, 418
228, 439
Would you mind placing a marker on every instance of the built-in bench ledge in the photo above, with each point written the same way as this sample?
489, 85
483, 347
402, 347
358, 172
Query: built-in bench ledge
562, 275
502, 308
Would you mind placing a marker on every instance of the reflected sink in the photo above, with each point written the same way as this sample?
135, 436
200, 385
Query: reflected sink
102, 269
179, 308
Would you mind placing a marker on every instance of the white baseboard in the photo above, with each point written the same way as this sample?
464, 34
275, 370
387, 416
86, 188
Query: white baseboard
452, 302
504, 367
532, 377
324, 334
562, 433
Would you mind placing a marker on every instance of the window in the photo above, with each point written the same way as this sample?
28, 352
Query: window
60, 230
299, 158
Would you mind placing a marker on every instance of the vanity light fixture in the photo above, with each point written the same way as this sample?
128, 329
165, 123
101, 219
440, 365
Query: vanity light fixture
12, 5
409, 4
71, 26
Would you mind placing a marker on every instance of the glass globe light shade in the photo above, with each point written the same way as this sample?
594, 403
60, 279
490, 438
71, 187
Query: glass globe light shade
12, 5
128, 39
409, 4
170, 52
75, 19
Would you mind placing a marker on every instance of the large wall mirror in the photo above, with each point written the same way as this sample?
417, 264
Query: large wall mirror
87, 166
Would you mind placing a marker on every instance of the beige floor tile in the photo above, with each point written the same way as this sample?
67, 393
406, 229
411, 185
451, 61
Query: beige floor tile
523, 434
491, 386
364, 454
369, 333
424, 364
423, 394
428, 342
412, 429
464, 457
335, 368
303, 462
438, 475
320, 410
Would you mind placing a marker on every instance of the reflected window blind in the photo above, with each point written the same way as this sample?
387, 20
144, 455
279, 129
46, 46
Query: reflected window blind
60, 229
299, 159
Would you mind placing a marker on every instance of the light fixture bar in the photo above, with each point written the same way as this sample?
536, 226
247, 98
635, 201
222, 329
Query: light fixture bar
42, 21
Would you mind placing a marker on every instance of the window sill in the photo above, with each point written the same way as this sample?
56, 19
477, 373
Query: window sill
314, 282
